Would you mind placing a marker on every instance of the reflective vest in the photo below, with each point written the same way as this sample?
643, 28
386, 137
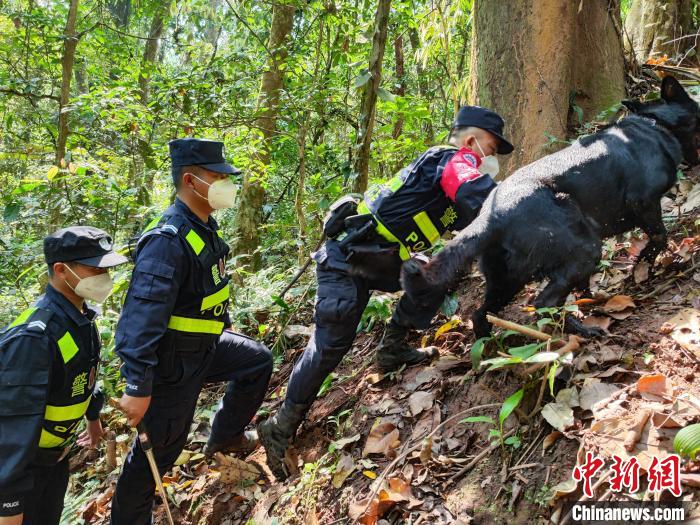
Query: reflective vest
411, 209
67, 403
201, 311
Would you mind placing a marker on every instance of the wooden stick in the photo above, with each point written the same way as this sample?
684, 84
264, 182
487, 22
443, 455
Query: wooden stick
481, 455
573, 344
634, 434
525, 330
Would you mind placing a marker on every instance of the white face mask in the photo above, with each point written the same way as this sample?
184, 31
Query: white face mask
489, 164
95, 288
222, 193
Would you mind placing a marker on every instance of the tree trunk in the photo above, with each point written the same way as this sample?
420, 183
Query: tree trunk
249, 213
651, 24
531, 57
369, 96
141, 150
401, 81
422, 84
151, 50
121, 11
69, 45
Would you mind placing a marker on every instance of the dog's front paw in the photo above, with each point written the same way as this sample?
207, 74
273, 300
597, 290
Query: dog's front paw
575, 326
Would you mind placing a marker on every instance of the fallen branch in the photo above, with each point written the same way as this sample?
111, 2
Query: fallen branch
573, 344
525, 330
481, 455
634, 433
416, 446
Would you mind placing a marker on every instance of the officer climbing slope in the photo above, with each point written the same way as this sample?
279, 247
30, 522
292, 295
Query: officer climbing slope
174, 331
48, 364
441, 190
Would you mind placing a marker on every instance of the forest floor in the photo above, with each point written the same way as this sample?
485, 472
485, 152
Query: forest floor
395, 448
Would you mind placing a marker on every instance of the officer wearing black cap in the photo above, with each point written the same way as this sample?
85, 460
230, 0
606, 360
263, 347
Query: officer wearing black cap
48, 363
173, 334
441, 190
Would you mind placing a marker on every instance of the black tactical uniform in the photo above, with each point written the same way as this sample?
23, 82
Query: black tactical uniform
172, 339
48, 364
409, 213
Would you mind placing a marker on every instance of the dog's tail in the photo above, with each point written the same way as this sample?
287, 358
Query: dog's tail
419, 279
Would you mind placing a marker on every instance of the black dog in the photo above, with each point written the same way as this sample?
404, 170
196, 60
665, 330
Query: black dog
548, 219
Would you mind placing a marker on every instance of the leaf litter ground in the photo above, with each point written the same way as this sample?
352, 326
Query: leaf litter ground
393, 448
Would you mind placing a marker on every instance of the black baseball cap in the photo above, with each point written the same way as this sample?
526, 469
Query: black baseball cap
209, 154
82, 244
485, 119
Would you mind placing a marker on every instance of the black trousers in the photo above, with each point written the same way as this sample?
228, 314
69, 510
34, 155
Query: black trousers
341, 298
245, 363
44, 504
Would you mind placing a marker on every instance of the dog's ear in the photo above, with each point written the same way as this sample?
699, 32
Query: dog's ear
633, 105
672, 91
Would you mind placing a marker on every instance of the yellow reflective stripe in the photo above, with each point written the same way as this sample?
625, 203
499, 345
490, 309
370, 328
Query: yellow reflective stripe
220, 233
49, 440
23, 316
384, 232
395, 183
215, 298
67, 346
152, 224
427, 227
195, 241
198, 326
67, 413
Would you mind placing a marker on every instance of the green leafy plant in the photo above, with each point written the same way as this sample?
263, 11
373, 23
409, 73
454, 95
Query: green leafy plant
507, 408
687, 441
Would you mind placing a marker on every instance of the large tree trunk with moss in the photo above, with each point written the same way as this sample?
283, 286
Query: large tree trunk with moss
250, 210
654, 28
536, 61
369, 96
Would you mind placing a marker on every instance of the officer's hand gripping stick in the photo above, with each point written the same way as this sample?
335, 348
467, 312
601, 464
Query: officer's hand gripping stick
147, 448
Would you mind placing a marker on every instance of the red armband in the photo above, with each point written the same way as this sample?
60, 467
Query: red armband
461, 168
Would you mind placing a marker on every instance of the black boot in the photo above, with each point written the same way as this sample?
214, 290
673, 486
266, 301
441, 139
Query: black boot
393, 352
276, 432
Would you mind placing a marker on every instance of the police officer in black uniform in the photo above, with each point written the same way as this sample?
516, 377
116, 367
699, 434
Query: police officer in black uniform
174, 331
48, 362
441, 190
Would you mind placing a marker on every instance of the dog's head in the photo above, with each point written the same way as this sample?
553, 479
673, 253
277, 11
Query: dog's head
678, 112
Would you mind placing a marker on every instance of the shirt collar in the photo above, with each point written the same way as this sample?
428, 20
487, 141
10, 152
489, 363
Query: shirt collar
210, 225
80, 318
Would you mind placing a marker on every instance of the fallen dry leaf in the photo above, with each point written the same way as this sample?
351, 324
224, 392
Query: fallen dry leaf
383, 439
343, 442
426, 451
686, 329
419, 401
447, 327
343, 469
233, 470
560, 416
654, 384
373, 379
641, 272
550, 439
618, 303
620, 316
594, 391
568, 397
597, 321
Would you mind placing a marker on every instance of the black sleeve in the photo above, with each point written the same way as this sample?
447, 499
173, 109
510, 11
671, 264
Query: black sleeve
25, 369
471, 195
159, 270
96, 403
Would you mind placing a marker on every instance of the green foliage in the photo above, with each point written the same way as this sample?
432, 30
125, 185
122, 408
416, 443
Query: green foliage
687, 441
